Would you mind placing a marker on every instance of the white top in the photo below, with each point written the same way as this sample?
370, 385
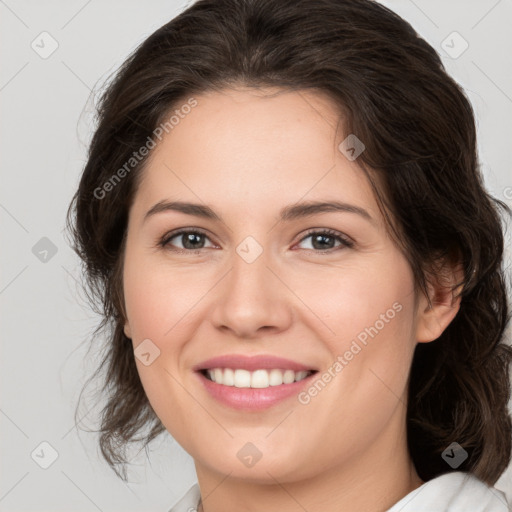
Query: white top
457, 491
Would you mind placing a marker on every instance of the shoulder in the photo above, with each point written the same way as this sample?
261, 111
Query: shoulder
456, 491
189, 501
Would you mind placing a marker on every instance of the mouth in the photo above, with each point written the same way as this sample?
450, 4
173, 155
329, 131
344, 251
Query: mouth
255, 390
258, 379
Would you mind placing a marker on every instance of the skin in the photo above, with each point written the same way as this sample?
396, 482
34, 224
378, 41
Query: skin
248, 153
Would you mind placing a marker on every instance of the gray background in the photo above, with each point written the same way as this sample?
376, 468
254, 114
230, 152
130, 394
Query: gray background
46, 112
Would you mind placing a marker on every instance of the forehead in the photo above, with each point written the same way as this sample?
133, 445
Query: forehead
255, 148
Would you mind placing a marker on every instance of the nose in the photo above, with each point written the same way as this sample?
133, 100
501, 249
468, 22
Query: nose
252, 300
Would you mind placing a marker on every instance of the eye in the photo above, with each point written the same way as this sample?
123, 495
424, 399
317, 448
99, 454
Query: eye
191, 239
323, 239
194, 239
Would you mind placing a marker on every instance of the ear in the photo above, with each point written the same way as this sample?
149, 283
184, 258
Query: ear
127, 330
433, 320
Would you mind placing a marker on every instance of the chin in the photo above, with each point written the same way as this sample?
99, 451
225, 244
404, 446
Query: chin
283, 467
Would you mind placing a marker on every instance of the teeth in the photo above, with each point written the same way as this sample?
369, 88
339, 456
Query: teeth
259, 379
256, 379
275, 377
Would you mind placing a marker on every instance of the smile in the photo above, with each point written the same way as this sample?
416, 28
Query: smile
259, 379
253, 382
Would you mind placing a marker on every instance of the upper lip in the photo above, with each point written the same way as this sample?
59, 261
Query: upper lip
251, 363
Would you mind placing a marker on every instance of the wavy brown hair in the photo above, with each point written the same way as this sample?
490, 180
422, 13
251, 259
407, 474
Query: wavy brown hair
421, 160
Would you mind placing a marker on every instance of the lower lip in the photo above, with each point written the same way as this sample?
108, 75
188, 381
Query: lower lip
253, 399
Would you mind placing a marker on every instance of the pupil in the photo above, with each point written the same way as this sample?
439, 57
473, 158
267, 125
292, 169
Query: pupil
189, 239
319, 242
318, 238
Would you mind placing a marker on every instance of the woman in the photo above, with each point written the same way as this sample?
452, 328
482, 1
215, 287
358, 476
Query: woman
283, 219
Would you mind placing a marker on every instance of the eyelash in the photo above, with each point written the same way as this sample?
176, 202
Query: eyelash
345, 242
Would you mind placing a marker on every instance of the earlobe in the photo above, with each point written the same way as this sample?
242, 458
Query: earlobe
433, 319
127, 330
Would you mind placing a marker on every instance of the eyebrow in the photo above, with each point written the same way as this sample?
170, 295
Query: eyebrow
288, 213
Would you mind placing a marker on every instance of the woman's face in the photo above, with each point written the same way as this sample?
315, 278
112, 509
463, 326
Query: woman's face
256, 277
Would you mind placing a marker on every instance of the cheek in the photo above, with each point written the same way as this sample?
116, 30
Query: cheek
352, 298
143, 305
157, 300
157, 297
369, 313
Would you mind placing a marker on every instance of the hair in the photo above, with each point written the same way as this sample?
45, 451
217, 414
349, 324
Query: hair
420, 158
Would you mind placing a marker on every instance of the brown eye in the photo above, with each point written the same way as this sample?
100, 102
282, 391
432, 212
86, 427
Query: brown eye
323, 240
191, 240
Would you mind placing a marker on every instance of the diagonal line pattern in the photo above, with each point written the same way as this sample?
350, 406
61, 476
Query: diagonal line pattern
13, 279
131, 490
3, 2
286, 491
493, 491
75, 15
14, 485
227, 227
398, 398
75, 425
214, 489
71, 275
301, 300
85, 494
192, 307
199, 403
12, 216
492, 81
424, 13
13, 77
312, 187
14, 423
485, 15
76, 76
319, 113
280, 423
